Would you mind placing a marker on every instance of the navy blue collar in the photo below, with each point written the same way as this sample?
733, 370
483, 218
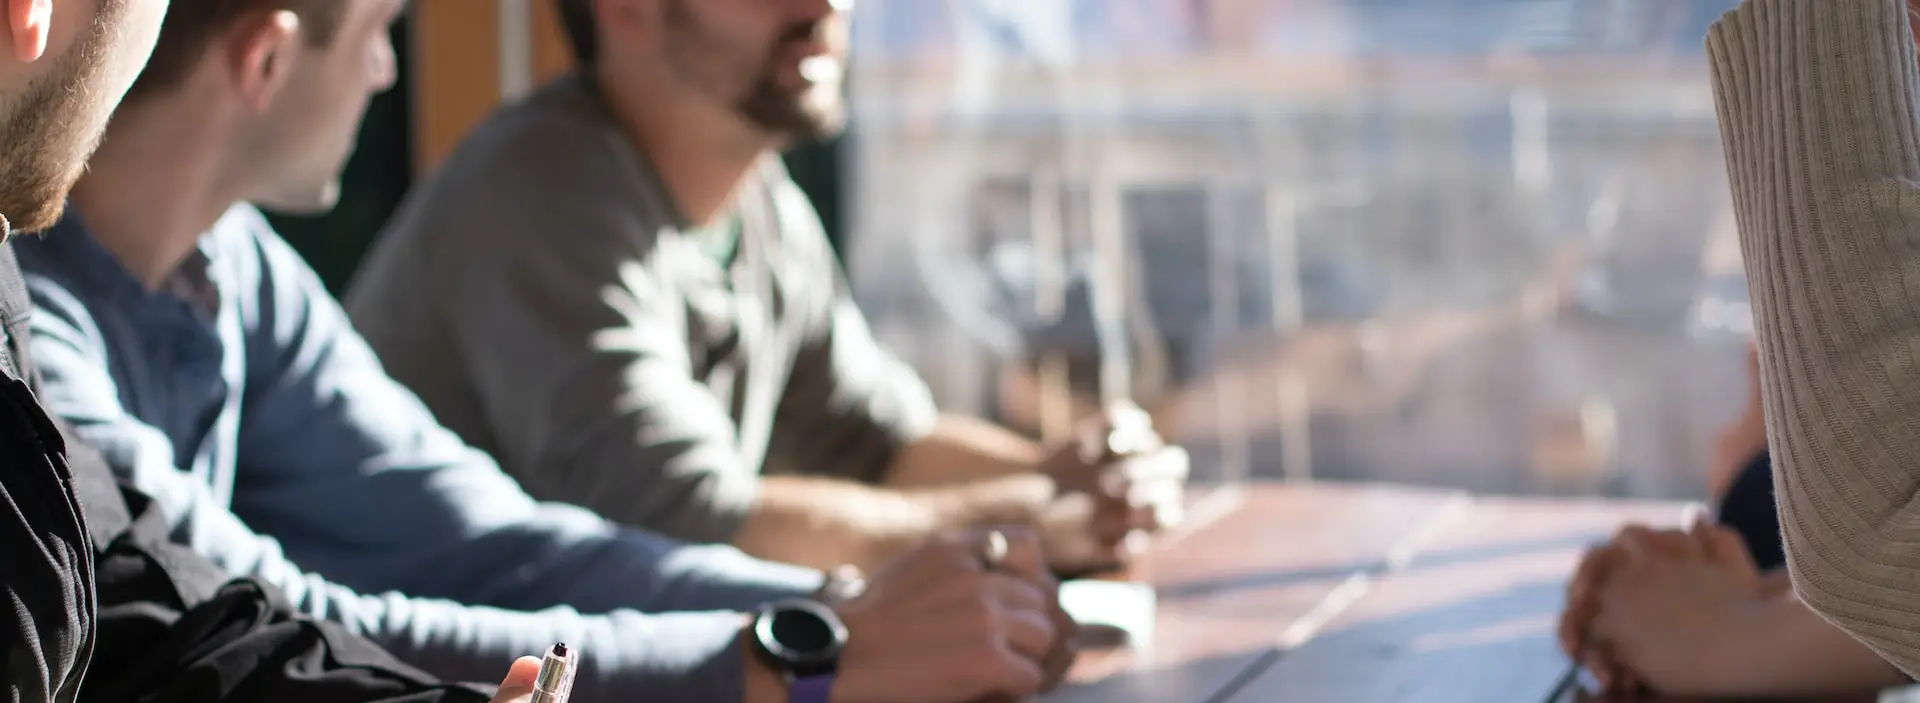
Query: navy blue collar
71, 242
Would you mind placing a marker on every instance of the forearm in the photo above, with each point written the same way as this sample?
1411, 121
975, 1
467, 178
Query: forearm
524, 555
763, 684
684, 655
1782, 649
565, 556
825, 523
1817, 112
670, 657
963, 449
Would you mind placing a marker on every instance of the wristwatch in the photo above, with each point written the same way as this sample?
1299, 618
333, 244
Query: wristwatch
801, 639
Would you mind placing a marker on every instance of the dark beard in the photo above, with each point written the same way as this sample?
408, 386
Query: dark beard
791, 118
54, 126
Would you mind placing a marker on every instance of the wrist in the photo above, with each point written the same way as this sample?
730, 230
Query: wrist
792, 654
904, 520
1725, 664
1776, 584
763, 683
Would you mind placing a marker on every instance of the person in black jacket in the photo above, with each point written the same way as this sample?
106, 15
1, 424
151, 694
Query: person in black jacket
66, 64
98, 604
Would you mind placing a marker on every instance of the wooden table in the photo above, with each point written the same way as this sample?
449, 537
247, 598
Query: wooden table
1469, 618
1356, 593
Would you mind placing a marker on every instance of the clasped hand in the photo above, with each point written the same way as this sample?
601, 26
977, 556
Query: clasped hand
1116, 478
1645, 612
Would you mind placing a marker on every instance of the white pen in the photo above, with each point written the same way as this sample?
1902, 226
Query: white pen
555, 682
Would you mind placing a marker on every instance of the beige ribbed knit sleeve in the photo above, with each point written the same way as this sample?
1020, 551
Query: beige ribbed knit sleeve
1817, 104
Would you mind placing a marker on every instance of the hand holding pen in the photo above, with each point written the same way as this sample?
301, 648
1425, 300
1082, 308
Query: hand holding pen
518, 686
531, 680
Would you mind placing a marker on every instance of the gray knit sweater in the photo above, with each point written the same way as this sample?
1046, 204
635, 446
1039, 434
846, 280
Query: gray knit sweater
1820, 112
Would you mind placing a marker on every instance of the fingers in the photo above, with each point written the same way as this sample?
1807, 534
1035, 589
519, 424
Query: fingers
1015, 674
1592, 569
1726, 549
1146, 489
1030, 623
1160, 467
519, 682
1113, 518
1011, 592
1582, 603
1024, 556
1573, 629
1631, 543
1598, 660
1122, 429
1027, 631
1639, 542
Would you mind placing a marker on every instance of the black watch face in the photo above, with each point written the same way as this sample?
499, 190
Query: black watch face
804, 636
802, 631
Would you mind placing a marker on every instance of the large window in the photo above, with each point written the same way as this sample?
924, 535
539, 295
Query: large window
1481, 243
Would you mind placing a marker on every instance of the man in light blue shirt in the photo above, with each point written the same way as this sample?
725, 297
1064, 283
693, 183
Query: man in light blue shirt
184, 339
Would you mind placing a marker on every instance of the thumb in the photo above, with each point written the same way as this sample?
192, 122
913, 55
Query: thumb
1728, 550
518, 685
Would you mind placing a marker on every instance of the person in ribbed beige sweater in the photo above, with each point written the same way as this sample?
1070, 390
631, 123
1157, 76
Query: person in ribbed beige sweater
1821, 125
1694, 615
1820, 115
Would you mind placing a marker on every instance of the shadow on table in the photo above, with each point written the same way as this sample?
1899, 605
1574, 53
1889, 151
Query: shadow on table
1281, 579
1493, 647
1186, 682
1573, 696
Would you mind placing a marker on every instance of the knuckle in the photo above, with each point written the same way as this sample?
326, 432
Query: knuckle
972, 583
985, 613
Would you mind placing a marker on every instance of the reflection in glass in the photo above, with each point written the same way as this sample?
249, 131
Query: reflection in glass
1475, 243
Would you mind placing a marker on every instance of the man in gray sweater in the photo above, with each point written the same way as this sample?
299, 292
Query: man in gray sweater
615, 289
186, 341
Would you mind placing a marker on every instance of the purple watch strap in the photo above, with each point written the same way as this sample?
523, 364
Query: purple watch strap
811, 689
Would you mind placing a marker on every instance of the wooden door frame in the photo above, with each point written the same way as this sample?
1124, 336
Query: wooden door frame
470, 55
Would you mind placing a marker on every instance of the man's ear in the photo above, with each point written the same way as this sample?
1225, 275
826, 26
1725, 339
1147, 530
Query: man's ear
262, 51
28, 21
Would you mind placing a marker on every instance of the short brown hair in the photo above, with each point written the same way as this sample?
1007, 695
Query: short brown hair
192, 25
576, 16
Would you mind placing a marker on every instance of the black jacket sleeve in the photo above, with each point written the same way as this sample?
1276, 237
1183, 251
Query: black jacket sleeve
46, 581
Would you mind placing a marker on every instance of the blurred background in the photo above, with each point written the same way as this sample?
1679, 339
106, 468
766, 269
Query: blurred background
1473, 243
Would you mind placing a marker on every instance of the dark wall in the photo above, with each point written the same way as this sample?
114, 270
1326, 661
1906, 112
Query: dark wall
817, 169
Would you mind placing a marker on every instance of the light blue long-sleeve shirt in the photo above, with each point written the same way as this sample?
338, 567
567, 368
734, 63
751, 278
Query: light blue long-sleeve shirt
242, 400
